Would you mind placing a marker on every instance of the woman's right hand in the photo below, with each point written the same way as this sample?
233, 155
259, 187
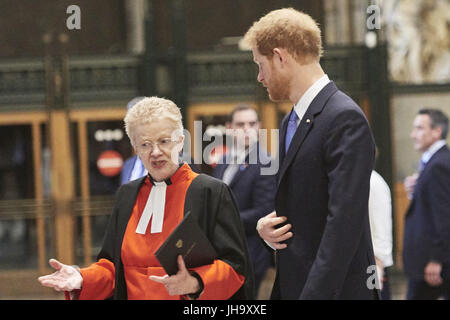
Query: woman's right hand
66, 278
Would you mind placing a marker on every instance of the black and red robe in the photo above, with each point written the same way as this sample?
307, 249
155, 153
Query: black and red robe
127, 258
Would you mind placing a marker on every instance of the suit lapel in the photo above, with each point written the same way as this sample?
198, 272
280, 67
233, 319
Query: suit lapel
442, 149
243, 167
238, 175
305, 127
220, 169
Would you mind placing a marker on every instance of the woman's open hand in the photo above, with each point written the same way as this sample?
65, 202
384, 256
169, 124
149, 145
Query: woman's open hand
66, 278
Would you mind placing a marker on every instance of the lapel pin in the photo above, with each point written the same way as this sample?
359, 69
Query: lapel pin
308, 121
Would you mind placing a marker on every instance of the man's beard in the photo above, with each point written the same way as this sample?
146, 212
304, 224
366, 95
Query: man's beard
279, 89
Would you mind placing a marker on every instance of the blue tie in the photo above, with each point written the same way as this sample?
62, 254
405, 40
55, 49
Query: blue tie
291, 128
421, 166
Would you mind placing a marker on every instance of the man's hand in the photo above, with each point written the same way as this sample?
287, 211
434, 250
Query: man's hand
66, 278
266, 229
410, 183
380, 271
181, 283
433, 273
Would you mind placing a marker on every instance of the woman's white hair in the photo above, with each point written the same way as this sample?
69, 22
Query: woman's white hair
151, 109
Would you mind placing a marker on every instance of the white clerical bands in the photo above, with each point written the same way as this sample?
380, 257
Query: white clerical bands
154, 208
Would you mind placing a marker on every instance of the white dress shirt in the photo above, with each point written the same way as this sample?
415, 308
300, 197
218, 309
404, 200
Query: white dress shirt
302, 105
380, 218
426, 156
236, 158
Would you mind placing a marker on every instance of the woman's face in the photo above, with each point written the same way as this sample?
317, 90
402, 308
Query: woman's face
158, 144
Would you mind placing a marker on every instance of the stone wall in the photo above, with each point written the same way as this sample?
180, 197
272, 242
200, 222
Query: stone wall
418, 34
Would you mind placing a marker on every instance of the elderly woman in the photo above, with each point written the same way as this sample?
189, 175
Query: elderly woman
147, 210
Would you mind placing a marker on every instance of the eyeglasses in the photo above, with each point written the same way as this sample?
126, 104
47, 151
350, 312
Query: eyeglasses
164, 144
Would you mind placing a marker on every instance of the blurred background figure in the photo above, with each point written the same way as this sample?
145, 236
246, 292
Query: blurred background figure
133, 168
426, 247
380, 218
254, 192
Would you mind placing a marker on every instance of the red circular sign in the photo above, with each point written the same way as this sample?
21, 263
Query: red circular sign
110, 163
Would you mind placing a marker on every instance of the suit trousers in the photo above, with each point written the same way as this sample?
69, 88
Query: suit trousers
420, 290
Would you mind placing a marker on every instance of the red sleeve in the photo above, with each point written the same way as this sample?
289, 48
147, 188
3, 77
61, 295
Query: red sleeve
98, 280
220, 280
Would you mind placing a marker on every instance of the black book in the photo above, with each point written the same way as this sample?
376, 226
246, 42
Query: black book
189, 241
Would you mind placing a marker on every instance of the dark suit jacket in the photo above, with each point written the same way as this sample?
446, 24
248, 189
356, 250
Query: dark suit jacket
323, 190
255, 197
427, 222
211, 203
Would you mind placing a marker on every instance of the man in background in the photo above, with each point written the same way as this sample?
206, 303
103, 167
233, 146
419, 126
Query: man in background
254, 192
133, 167
426, 244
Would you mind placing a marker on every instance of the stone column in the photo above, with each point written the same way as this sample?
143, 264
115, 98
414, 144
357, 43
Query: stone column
134, 17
